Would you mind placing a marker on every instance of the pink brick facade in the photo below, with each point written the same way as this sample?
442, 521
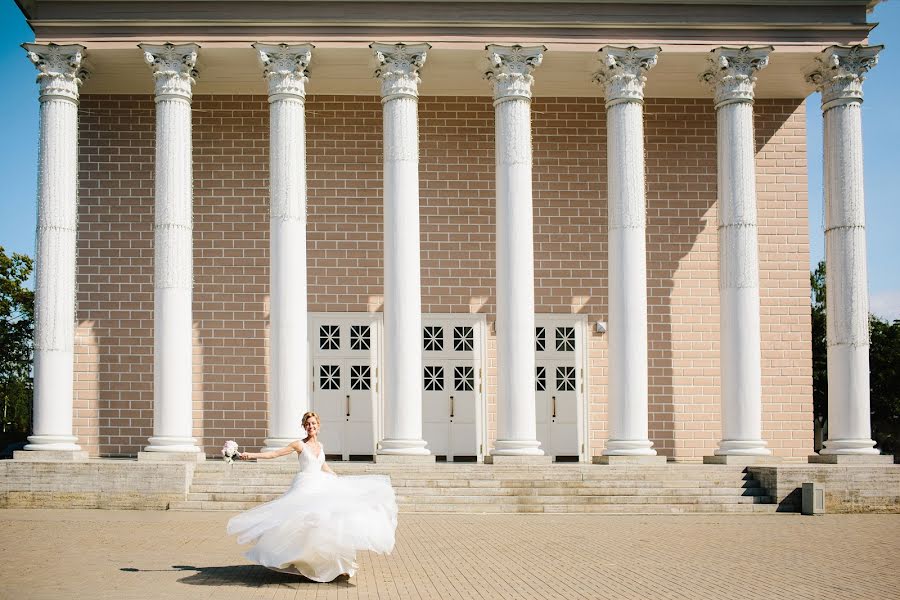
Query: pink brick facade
114, 341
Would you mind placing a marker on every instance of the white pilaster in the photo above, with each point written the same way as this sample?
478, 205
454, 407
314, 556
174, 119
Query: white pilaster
174, 73
60, 76
510, 73
398, 69
285, 70
622, 77
732, 74
838, 75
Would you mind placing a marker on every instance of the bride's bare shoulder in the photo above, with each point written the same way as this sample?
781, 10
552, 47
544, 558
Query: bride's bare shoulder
297, 445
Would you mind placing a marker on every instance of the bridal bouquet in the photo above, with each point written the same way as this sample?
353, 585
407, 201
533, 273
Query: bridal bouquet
229, 451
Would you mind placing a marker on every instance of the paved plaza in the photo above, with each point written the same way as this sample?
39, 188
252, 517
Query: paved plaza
77, 554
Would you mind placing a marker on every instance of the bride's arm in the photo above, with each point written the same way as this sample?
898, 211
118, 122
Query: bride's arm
292, 447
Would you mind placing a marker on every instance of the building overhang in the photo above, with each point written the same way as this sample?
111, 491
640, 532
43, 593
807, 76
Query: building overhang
342, 30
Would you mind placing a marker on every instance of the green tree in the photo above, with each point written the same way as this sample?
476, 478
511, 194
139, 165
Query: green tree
16, 349
884, 369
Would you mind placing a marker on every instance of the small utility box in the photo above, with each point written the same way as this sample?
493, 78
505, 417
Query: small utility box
813, 499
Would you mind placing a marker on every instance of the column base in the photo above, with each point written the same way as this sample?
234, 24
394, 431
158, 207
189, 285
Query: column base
625, 459
403, 447
508, 459
851, 459
167, 444
744, 460
848, 446
516, 448
629, 448
50, 455
404, 459
170, 456
62, 443
742, 448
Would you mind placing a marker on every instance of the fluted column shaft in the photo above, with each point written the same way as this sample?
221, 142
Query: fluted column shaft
398, 70
838, 75
622, 78
54, 307
285, 70
731, 74
510, 74
173, 71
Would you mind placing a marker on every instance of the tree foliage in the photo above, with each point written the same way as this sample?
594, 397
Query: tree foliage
16, 333
884, 369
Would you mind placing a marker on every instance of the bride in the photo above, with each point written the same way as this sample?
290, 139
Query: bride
318, 525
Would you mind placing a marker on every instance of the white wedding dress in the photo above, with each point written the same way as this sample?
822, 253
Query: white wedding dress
316, 528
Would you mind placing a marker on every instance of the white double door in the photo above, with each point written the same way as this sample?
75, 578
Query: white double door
559, 385
345, 382
452, 386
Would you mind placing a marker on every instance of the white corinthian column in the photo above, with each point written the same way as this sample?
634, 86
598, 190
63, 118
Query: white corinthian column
398, 70
838, 75
54, 291
174, 73
285, 71
622, 77
510, 74
732, 75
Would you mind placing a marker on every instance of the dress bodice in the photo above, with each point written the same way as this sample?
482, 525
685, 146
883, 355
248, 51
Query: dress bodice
309, 461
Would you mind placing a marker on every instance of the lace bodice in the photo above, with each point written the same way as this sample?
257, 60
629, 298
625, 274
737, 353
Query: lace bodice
309, 461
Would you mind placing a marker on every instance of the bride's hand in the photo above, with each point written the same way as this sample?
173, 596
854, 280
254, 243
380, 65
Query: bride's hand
244, 456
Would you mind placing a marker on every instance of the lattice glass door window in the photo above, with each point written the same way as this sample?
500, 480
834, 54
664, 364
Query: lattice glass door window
565, 339
433, 338
434, 378
360, 377
540, 338
540, 379
329, 377
360, 337
329, 337
463, 339
565, 379
463, 379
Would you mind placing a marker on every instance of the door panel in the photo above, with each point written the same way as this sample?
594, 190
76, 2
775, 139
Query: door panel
328, 403
436, 407
463, 434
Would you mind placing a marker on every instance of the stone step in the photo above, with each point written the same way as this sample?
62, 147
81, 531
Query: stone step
283, 484
430, 478
193, 505
617, 490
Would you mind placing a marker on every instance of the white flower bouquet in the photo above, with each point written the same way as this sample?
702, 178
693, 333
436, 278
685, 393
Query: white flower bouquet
229, 451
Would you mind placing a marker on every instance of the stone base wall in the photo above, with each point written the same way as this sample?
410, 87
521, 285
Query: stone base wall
848, 489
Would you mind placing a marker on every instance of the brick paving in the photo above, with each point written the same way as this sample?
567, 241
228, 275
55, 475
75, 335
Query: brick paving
77, 554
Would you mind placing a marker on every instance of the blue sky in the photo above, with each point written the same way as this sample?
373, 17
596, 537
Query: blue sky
881, 136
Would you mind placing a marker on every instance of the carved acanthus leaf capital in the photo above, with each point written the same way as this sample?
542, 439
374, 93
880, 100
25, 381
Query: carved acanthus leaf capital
61, 71
173, 68
510, 69
838, 73
623, 72
398, 68
731, 72
285, 66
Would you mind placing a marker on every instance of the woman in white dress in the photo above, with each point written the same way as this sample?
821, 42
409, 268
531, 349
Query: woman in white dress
316, 528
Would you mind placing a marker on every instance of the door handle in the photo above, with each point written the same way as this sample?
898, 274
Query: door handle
348, 405
554, 406
451, 407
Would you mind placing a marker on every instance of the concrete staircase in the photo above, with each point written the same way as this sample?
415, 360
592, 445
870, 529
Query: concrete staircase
477, 488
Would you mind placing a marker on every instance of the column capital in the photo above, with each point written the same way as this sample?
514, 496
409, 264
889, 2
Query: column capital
61, 71
731, 72
510, 69
173, 68
839, 71
284, 67
398, 68
623, 72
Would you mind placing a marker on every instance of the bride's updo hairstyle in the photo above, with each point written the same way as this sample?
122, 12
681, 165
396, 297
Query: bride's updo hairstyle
309, 415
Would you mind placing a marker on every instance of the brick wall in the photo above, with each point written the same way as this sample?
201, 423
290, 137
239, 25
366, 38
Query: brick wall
115, 328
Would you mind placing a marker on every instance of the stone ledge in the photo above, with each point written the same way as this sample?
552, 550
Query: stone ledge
404, 459
742, 460
851, 459
50, 456
628, 460
501, 459
189, 457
